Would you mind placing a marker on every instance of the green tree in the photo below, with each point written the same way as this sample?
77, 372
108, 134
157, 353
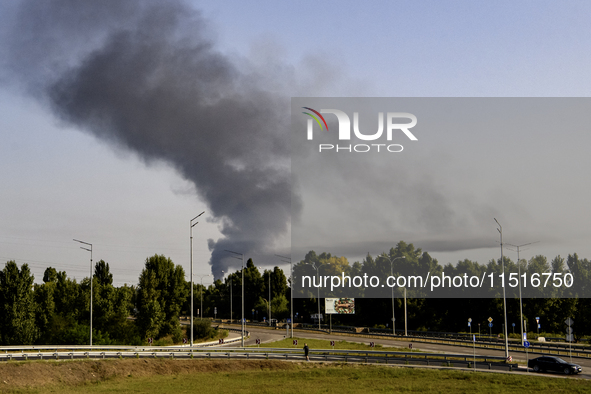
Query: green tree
150, 316
278, 283
44, 310
279, 307
253, 286
102, 273
17, 306
50, 275
104, 304
69, 300
161, 294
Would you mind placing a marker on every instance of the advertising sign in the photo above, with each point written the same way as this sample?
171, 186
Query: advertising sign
339, 306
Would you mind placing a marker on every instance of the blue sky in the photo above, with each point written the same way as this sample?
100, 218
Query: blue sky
59, 183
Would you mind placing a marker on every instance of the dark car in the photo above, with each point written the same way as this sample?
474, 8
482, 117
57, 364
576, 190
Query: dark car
556, 364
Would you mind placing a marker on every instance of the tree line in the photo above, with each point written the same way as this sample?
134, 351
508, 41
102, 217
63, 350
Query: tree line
551, 305
57, 310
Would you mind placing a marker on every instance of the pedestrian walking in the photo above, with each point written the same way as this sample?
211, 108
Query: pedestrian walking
306, 351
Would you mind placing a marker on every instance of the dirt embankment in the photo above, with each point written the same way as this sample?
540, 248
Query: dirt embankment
43, 373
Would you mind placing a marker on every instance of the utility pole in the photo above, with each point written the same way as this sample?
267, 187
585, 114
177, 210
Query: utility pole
500, 230
191, 224
288, 260
519, 273
91, 280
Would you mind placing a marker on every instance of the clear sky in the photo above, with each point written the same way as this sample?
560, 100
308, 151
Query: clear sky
62, 179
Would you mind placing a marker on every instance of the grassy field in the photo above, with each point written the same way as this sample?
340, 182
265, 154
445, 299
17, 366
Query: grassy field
176, 376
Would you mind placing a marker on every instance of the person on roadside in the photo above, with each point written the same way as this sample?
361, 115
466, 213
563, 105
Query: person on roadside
306, 351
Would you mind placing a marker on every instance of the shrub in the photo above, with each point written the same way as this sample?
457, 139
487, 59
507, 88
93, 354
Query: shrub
202, 329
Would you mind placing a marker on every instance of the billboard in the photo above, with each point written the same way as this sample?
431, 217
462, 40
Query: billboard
339, 306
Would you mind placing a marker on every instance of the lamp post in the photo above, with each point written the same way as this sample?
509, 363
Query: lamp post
242, 322
392, 288
318, 288
520, 299
230, 277
201, 294
500, 230
191, 225
91, 277
223, 275
405, 315
288, 260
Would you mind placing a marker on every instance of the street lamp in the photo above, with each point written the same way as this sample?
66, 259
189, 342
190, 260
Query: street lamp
519, 276
242, 322
318, 288
90, 250
392, 288
269, 297
201, 291
191, 225
500, 230
288, 260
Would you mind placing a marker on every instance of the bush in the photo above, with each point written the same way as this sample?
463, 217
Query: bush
177, 335
202, 329
166, 341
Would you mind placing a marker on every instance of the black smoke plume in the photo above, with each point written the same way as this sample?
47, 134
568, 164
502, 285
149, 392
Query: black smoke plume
146, 76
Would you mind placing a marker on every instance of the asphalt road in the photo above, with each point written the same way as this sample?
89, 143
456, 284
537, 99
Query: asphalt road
269, 335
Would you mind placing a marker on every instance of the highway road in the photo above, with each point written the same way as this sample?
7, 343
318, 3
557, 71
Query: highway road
269, 335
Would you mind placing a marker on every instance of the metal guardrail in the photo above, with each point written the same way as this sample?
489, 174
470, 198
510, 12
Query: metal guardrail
55, 348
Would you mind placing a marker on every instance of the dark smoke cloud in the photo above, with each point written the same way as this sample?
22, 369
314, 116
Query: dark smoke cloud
146, 77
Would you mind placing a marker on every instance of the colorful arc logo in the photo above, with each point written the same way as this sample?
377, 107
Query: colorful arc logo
315, 118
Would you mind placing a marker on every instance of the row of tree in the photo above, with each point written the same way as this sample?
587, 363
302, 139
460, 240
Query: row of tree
552, 304
57, 310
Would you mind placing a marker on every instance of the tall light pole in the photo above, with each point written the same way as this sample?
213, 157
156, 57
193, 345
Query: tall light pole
242, 322
405, 315
90, 250
201, 293
191, 225
392, 288
318, 296
288, 260
500, 230
519, 276
318, 288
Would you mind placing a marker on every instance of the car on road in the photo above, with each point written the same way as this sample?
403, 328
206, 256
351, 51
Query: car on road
555, 364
